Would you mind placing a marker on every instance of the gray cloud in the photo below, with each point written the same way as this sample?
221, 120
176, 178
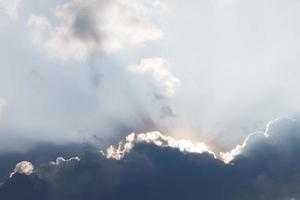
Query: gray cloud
40, 153
238, 64
267, 168
96, 27
167, 111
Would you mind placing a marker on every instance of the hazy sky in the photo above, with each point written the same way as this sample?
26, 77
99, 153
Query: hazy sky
210, 70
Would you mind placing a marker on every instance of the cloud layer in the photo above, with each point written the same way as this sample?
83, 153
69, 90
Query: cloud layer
265, 168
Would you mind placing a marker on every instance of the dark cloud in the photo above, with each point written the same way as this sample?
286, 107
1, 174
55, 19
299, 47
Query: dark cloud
84, 26
38, 154
24, 187
266, 168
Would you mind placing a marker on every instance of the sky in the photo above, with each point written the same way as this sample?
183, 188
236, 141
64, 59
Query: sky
194, 79
203, 70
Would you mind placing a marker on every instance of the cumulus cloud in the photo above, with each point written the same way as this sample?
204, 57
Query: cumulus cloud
11, 7
160, 71
154, 138
23, 167
229, 156
94, 27
154, 166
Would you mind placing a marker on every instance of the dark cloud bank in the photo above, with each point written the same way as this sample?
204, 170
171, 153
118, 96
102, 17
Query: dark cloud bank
266, 169
39, 154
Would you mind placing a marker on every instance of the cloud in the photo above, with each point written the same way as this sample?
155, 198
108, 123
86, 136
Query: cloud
23, 167
96, 27
48, 171
272, 128
11, 8
154, 138
227, 157
40, 153
154, 166
159, 70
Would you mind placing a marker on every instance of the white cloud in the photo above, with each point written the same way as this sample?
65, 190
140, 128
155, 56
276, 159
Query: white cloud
23, 167
159, 68
154, 138
92, 27
11, 7
61, 160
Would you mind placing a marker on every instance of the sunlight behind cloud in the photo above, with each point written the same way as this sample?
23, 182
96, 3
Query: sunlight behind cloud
158, 139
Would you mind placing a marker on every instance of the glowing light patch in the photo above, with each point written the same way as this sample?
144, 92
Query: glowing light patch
23, 167
158, 139
61, 160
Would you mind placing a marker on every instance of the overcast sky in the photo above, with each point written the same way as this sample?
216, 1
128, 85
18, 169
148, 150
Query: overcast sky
211, 70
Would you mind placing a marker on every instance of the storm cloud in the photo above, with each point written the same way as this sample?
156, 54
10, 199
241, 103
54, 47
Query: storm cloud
265, 168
